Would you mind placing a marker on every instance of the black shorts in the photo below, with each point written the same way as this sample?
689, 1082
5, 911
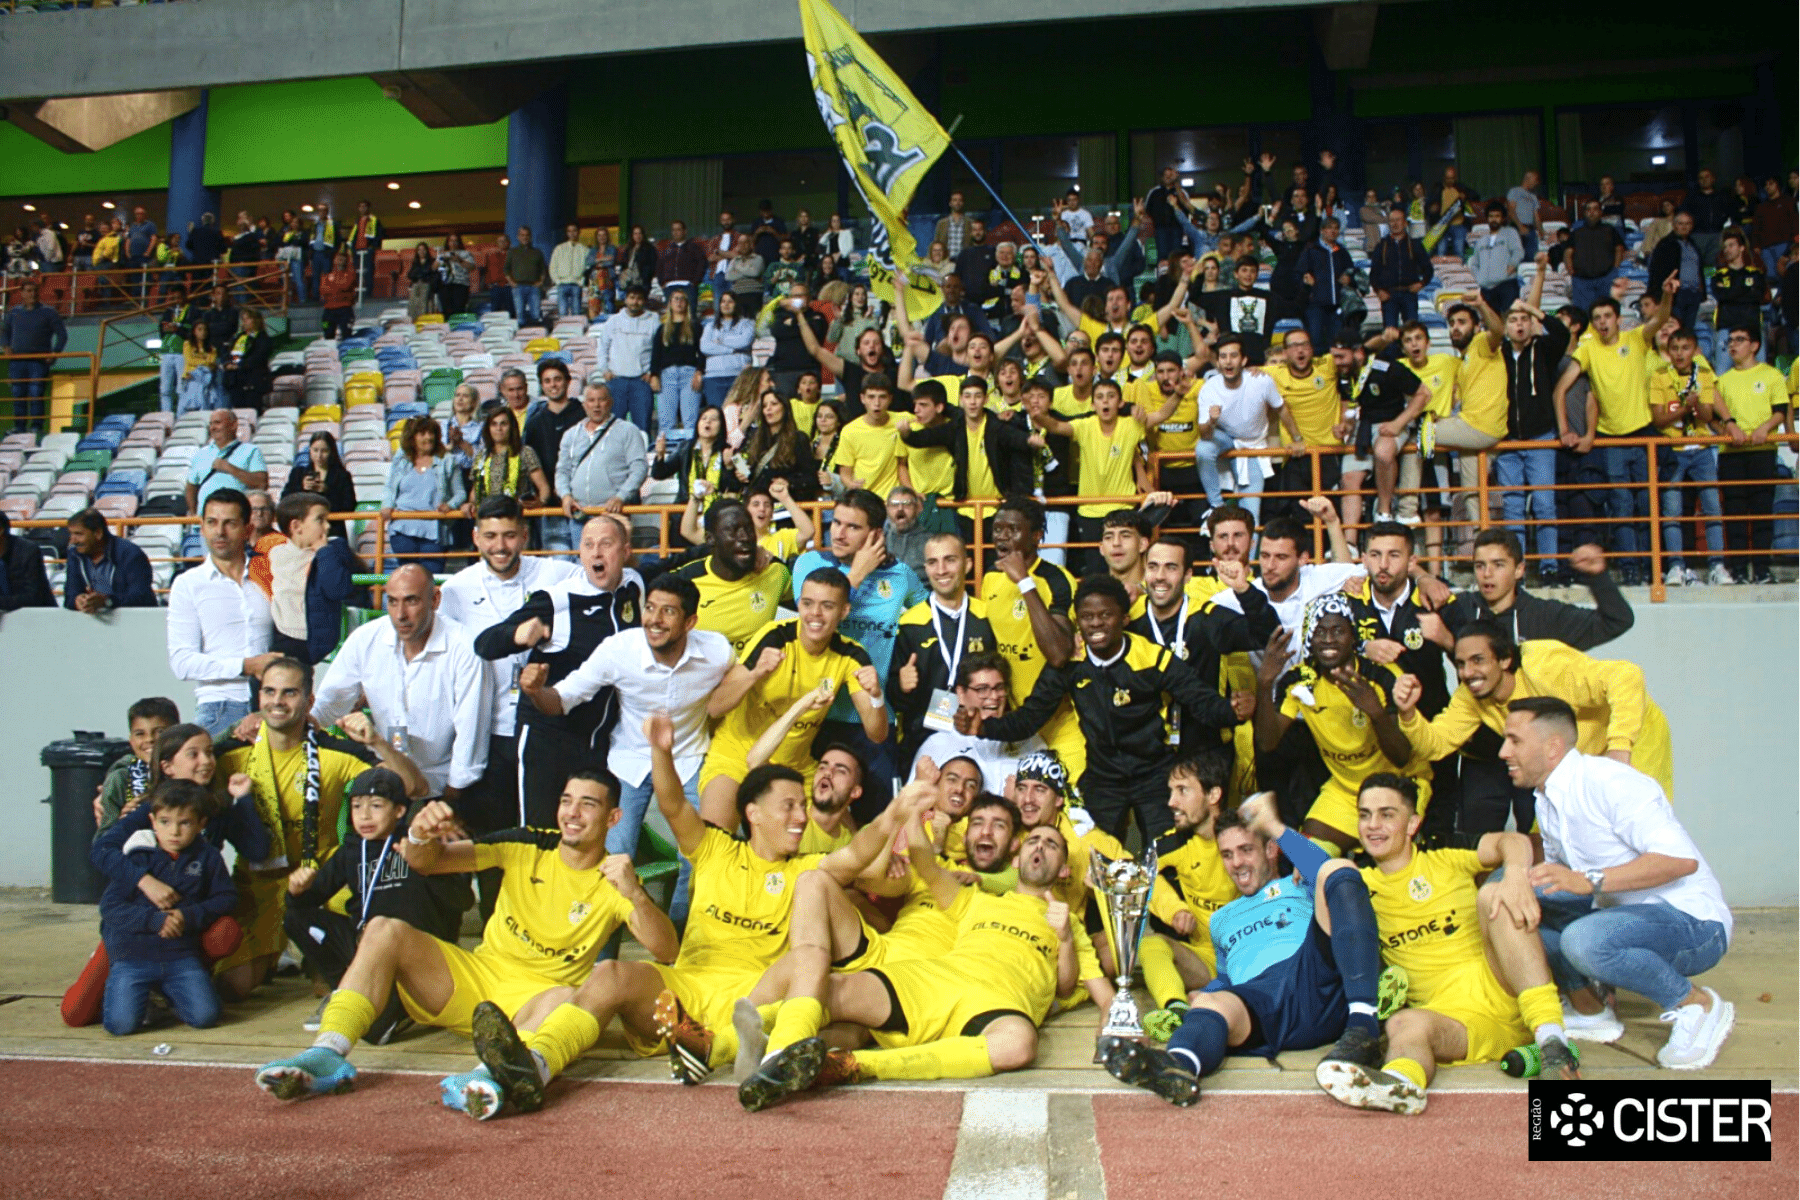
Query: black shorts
1297, 1004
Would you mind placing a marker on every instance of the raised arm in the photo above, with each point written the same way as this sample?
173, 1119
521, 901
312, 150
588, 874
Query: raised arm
847, 862
665, 780
1271, 723
427, 848
763, 749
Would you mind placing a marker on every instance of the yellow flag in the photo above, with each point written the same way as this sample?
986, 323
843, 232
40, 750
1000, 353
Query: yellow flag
886, 137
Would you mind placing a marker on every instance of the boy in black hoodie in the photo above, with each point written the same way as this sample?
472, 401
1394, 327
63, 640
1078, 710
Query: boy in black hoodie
370, 865
154, 947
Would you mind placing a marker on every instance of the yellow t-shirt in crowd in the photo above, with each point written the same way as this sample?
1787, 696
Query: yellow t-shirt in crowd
1619, 375
1667, 386
1481, 386
1181, 432
932, 468
873, 454
1107, 462
1439, 374
783, 544
981, 472
1752, 396
1312, 398
1065, 401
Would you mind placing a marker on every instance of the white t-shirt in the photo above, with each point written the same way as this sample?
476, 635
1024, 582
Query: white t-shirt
997, 760
1243, 410
1315, 580
288, 565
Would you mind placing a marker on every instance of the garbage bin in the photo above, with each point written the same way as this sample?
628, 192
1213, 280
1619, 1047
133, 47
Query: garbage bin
77, 768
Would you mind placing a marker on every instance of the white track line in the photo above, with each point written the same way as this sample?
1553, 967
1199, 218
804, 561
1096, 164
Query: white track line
1001, 1147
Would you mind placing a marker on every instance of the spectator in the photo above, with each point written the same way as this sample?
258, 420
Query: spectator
1685, 402
637, 260
1658, 228
904, 534
505, 466
870, 454
1110, 459
323, 473
500, 296
1610, 832
1711, 210
422, 478
569, 264
365, 240
725, 343
544, 426
104, 572
1496, 259
337, 292
421, 282
767, 229
953, 227
744, 276
128, 779
1500, 598
454, 265
1682, 255
791, 357
525, 272
1452, 200
975, 262
246, 368
675, 366
31, 328
721, 248
1325, 271
1399, 268
1534, 349
1774, 226
625, 344
174, 326
838, 241
775, 448
202, 375
602, 463
1523, 202
224, 462
1756, 406
698, 466
1612, 205
1738, 284
311, 579
1595, 251
681, 265
324, 244
1390, 397
219, 624
23, 581
425, 689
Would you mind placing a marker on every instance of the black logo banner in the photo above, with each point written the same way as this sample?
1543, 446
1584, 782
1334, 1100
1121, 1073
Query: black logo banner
1650, 1120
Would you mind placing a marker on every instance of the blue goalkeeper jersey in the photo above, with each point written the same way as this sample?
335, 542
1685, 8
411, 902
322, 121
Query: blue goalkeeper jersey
1255, 932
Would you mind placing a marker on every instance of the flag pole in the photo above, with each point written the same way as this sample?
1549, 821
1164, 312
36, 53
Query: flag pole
992, 191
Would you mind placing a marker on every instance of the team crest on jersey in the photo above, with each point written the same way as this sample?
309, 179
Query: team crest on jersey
1018, 609
977, 645
1272, 892
1419, 888
885, 590
1413, 638
1358, 718
1121, 697
628, 613
758, 602
578, 912
773, 882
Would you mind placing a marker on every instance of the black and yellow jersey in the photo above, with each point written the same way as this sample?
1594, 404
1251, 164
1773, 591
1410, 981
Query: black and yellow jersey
800, 672
783, 544
550, 919
278, 779
1006, 615
1215, 640
1342, 731
1006, 942
1193, 878
739, 917
1426, 917
934, 643
1122, 706
737, 610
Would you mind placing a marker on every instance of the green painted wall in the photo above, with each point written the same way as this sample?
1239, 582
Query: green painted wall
332, 129
28, 167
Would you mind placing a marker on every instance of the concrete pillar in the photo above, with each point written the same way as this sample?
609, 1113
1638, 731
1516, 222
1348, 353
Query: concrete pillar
536, 139
188, 194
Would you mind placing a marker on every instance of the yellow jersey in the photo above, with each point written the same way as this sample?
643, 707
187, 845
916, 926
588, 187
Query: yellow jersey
737, 610
1108, 462
1006, 943
1312, 398
872, 453
550, 919
1439, 375
932, 468
1427, 918
1668, 387
817, 841
1181, 432
769, 699
1481, 386
1752, 396
980, 482
739, 918
1346, 741
1619, 376
1064, 401
1193, 879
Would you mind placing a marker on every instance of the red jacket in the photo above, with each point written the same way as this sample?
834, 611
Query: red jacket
338, 289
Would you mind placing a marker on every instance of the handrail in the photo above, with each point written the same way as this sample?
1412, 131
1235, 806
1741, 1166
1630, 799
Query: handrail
93, 357
267, 283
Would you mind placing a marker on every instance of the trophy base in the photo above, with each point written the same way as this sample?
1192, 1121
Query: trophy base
1123, 1019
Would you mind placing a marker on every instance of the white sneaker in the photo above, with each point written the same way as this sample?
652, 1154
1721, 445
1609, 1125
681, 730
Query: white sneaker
311, 1024
1696, 1034
1692, 578
1603, 1026
1675, 576
1719, 576
1380, 517
1408, 519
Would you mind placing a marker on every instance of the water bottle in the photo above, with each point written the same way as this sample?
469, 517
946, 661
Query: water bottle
1523, 1062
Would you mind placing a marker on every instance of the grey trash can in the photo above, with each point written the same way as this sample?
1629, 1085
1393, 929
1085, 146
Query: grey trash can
77, 768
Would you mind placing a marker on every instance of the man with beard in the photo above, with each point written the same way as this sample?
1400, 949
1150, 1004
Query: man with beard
739, 589
561, 624
1480, 419
981, 686
1177, 950
935, 637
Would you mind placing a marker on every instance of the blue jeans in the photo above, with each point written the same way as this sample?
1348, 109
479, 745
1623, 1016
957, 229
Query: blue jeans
406, 543
1456, 239
568, 300
622, 838
526, 302
297, 269
321, 267
1401, 306
1628, 465
1206, 458
1583, 292
201, 390
1534, 469
1694, 466
714, 389
29, 380
561, 533
1652, 949
170, 383
1528, 242
631, 399
218, 716
678, 404
187, 984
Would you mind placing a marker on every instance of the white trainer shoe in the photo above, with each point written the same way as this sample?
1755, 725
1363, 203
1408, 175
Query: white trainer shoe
1675, 576
1603, 1026
1719, 576
1696, 1034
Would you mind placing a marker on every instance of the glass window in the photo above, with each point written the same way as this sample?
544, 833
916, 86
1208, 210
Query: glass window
1641, 148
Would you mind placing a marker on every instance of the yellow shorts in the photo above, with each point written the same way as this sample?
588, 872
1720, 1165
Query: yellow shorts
925, 933
1200, 944
475, 977
728, 756
706, 993
1336, 805
1469, 994
261, 905
939, 997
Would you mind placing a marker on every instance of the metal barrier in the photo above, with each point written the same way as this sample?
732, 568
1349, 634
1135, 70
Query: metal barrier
13, 419
132, 291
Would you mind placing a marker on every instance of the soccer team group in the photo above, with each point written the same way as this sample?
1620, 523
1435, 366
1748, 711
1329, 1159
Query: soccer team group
828, 938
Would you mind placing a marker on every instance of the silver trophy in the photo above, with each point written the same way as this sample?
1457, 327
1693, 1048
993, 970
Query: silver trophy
1125, 884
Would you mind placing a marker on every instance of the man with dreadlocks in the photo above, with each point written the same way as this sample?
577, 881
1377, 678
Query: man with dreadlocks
1348, 706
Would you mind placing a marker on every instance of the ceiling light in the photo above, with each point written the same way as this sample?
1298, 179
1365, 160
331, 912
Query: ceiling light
504, 181
106, 204
62, 224
306, 208
414, 204
1187, 183
29, 207
1657, 160
393, 186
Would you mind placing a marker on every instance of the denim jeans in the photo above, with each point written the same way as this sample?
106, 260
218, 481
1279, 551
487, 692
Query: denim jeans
1535, 469
297, 269
1206, 458
1401, 306
185, 981
714, 389
218, 716
1456, 240
1694, 466
634, 801
1628, 465
1583, 292
568, 300
631, 399
321, 267
29, 380
526, 302
201, 390
1322, 321
406, 543
677, 404
1653, 949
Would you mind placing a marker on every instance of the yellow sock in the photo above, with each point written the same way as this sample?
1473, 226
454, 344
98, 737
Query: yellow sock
952, 1058
347, 1015
1408, 1068
767, 1013
1540, 1006
1157, 956
564, 1036
800, 1018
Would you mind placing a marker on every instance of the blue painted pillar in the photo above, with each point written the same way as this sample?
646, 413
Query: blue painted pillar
536, 138
188, 194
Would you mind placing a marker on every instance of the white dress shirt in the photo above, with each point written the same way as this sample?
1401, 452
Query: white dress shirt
213, 626
441, 697
643, 685
997, 759
1596, 812
478, 599
1315, 580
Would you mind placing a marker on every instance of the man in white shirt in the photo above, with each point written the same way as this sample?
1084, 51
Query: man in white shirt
1234, 410
981, 686
1628, 900
666, 666
419, 675
484, 593
623, 348
219, 626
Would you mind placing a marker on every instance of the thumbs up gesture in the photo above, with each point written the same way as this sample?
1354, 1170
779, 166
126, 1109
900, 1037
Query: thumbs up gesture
909, 674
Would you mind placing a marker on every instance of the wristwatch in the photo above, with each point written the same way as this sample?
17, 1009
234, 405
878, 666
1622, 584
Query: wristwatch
1596, 879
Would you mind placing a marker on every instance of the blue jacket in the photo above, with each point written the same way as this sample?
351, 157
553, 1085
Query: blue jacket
131, 585
328, 586
129, 923
239, 824
1326, 267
